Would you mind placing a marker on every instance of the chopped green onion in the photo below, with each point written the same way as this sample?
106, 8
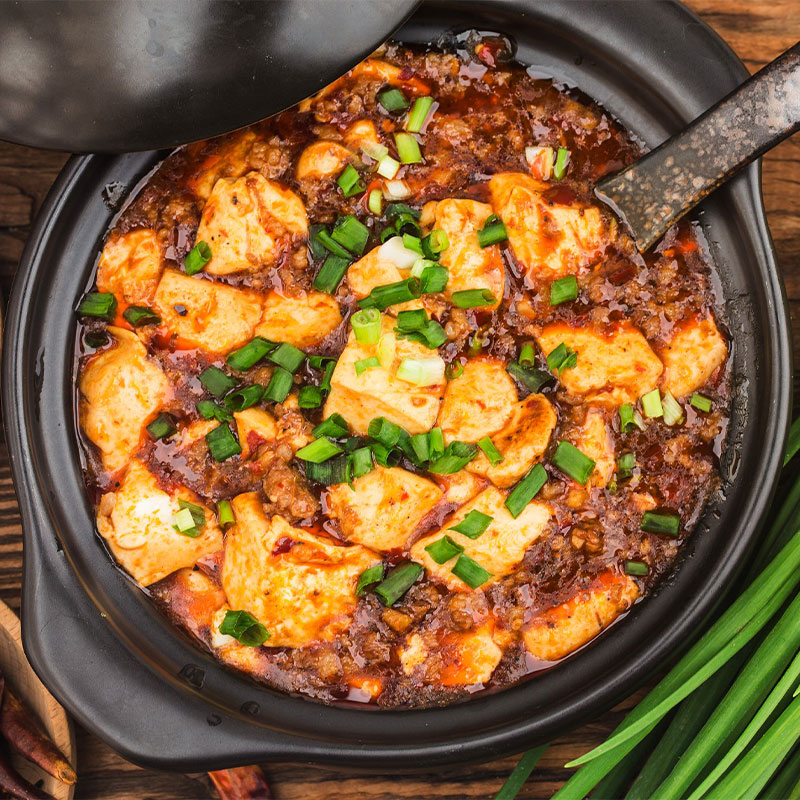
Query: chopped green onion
636, 568
95, 340
432, 335
435, 243
526, 490
442, 550
421, 371
362, 365
562, 358
316, 247
287, 356
401, 210
249, 355
418, 114
183, 522
351, 233
412, 320
492, 453
406, 446
492, 232
393, 100
673, 413
141, 315
455, 457
330, 244
385, 456
390, 294
369, 577
384, 431
435, 443
470, 571
527, 355
98, 304
225, 514
334, 426
198, 513
279, 386
531, 378
419, 443
573, 462
563, 290
411, 242
629, 418
473, 298
367, 325
328, 473
473, 525
654, 522
373, 150
309, 397
701, 402
398, 582
375, 202
420, 265
560, 167
216, 381
244, 627
222, 443
325, 385
407, 148
209, 410
433, 279
361, 459
162, 427
318, 451
388, 167
455, 369
331, 273
318, 362
243, 398
625, 465
651, 404
197, 258
350, 182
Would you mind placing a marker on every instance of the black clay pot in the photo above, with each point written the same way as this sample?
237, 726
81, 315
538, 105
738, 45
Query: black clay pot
127, 675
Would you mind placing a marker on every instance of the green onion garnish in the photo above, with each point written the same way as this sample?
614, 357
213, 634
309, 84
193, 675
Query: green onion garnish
443, 549
95, 340
560, 167
325, 385
411, 242
562, 358
526, 490
629, 418
563, 290
331, 273
183, 522
362, 365
244, 627
473, 525
385, 456
375, 202
287, 356
421, 447
668, 524
527, 355
420, 265
531, 378
381, 297
388, 167
334, 426
473, 298
318, 451
222, 443
415, 326
412, 320
393, 100
492, 453
98, 304
243, 398
369, 577
367, 325
435, 443
279, 386
361, 460
162, 427
407, 148
197, 258
470, 571
198, 514
216, 381
350, 182
435, 243
636, 568
249, 355
316, 247
421, 371
330, 244
225, 514
328, 473
210, 410
492, 232
625, 465
651, 404
398, 582
673, 413
455, 457
573, 462
701, 402
351, 234
309, 397
384, 431
455, 369
141, 315
418, 114
433, 279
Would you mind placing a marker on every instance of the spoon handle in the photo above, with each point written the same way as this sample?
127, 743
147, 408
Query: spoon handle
672, 179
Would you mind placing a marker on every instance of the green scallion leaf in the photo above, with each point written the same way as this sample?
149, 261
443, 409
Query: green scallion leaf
351, 234
309, 397
420, 445
287, 356
493, 232
244, 627
99, 304
369, 577
562, 358
381, 297
210, 410
473, 524
197, 258
216, 381
433, 280
243, 398
384, 431
331, 273
526, 490
470, 571
655, 522
398, 582
331, 245
531, 378
318, 451
562, 160
330, 472
435, 443
361, 460
350, 182
455, 369
183, 523
573, 462
249, 355
225, 515
442, 550
363, 364
393, 100
629, 418
141, 315
455, 457
407, 148
491, 452
366, 325
527, 355
563, 290
625, 465
279, 386
222, 443
434, 244
473, 298
334, 426
162, 427
636, 568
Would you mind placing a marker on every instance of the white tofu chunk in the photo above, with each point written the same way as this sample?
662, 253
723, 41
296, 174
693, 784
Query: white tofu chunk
361, 131
594, 441
385, 509
229, 159
461, 486
217, 318
498, 549
522, 441
249, 222
322, 159
130, 266
549, 239
559, 631
120, 391
696, 349
303, 591
303, 320
378, 392
613, 367
471, 266
478, 402
372, 270
254, 426
137, 522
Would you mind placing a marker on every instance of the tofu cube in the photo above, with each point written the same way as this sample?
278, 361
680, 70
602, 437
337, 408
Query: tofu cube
696, 349
226, 157
130, 266
322, 159
254, 426
303, 320
594, 440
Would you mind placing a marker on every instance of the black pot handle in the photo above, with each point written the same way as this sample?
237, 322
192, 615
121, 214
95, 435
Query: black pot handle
672, 179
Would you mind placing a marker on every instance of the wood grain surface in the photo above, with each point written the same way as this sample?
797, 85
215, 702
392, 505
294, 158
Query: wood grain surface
758, 30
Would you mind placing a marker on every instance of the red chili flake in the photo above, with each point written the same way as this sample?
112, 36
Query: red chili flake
283, 545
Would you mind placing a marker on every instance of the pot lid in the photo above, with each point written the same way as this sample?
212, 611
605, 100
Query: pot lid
120, 75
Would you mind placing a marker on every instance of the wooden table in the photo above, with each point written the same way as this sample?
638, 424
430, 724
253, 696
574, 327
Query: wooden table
758, 30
